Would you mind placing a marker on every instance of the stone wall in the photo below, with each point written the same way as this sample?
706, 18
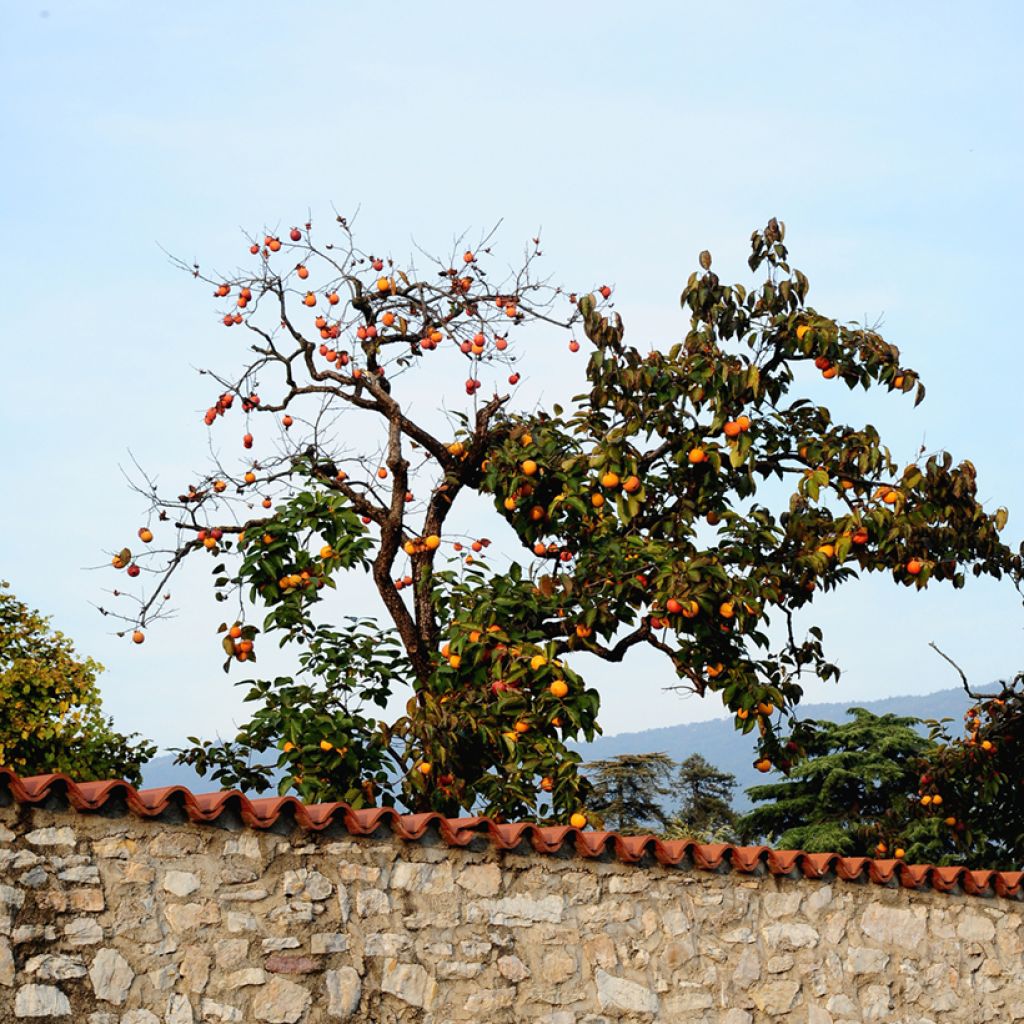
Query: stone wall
113, 919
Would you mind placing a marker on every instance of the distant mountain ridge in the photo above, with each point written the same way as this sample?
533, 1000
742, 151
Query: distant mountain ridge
715, 740
718, 742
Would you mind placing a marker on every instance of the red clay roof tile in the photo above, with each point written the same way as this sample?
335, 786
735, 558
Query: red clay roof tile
264, 812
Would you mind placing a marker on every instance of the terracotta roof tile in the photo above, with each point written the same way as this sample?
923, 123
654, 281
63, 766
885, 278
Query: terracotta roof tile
264, 812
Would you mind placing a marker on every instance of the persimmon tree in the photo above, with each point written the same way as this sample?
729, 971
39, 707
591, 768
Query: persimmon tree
969, 803
889, 786
689, 496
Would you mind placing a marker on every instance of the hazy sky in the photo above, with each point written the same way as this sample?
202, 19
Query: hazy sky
886, 136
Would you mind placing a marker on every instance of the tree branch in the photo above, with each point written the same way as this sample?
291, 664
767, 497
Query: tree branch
963, 677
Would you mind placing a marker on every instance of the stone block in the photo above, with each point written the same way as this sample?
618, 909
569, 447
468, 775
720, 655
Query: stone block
7, 968
83, 931
284, 963
308, 884
408, 982
616, 993
775, 996
180, 883
50, 836
179, 1010
865, 960
517, 911
898, 927
41, 1001
344, 990
281, 1002
512, 968
372, 902
55, 967
244, 978
480, 879
329, 942
111, 976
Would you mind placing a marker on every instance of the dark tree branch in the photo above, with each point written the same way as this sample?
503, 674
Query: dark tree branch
963, 678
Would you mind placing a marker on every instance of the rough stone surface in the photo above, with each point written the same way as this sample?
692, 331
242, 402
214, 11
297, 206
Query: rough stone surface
55, 967
111, 976
7, 968
343, 991
116, 920
281, 1002
83, 931
179, 1011
52, 836
620, 994
282, 963
181, 883
408, 982
41, 1001
140, 1016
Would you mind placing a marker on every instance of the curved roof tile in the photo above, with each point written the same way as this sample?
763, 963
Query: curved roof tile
264, 812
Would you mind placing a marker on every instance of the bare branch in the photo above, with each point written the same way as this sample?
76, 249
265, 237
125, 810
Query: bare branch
963, 678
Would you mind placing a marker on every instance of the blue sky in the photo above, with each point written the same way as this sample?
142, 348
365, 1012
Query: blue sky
887, 137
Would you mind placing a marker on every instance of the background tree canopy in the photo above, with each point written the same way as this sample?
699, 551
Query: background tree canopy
51, 715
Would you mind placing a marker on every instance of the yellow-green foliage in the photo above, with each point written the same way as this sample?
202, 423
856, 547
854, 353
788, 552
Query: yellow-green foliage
51, 715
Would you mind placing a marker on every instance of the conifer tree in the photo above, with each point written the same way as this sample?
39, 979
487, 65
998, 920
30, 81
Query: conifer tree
627, 788
851, 789
706, 810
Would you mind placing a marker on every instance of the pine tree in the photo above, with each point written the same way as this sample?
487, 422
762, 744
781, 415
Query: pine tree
627, 789
706, 810
849, 791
